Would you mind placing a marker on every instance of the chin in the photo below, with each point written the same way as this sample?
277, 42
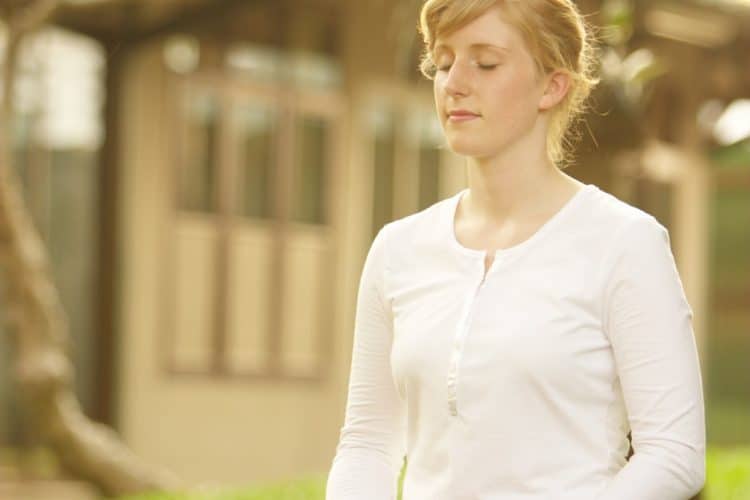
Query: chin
467, 147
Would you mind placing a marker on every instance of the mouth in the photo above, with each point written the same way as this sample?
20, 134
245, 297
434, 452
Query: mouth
462, 117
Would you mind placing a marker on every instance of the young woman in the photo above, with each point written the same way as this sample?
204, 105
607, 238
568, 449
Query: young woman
508, 338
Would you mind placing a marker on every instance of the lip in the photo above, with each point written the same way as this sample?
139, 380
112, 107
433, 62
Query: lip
461, 115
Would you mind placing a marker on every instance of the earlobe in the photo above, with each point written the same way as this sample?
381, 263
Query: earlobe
558, 85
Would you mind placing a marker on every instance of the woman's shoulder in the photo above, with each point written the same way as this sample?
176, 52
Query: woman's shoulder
423, 225
629, 235
612, 214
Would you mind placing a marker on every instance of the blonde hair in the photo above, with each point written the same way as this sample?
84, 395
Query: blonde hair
557, 37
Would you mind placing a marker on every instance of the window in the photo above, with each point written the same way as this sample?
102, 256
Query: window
311, 155
200, 144
255, 125
249, 292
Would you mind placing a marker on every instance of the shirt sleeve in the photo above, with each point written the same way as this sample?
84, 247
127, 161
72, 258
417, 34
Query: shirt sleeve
371, 447
649, 323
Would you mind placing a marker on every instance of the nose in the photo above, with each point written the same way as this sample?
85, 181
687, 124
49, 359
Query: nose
457, 82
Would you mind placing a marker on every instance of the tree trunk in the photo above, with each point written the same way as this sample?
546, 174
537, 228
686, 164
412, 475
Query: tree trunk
38, 325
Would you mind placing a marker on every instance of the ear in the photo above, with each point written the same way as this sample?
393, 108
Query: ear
557, 86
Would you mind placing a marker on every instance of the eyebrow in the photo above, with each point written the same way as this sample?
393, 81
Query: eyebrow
473, 46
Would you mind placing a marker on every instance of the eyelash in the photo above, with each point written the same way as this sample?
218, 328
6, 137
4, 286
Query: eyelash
485, 67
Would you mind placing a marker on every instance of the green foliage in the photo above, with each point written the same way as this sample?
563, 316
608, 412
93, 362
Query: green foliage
618, 18
401, 479
727, 474
730, 241
727, 422
727, 469
732, 156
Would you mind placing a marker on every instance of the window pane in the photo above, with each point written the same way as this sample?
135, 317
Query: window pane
198, 169
309, 177
256, 130
383, 164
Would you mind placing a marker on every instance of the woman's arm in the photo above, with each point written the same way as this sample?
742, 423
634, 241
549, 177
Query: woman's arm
649, 323
371, 446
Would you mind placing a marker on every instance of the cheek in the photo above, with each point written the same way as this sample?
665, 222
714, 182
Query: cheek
437, 95
512, 95
438, 91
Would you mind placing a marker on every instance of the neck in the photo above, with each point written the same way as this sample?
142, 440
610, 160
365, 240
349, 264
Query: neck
513, 184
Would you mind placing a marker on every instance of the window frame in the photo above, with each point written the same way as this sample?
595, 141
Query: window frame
289, 103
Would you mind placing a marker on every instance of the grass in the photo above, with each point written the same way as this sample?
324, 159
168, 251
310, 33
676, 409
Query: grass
727, 470
727, 474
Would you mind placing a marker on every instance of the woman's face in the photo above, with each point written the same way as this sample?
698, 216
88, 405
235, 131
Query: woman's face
485, 69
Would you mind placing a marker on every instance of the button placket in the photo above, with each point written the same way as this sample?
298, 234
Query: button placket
459, 341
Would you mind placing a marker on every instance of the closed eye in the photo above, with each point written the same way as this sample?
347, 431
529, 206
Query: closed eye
485, 67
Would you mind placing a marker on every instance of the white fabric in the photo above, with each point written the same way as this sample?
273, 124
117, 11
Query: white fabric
524, 386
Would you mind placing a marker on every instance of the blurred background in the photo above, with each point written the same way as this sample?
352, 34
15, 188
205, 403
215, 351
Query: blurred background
188, 189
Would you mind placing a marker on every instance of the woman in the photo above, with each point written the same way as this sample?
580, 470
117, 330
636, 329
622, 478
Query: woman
507, 339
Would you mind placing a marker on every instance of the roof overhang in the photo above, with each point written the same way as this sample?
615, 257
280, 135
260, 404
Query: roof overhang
132, 20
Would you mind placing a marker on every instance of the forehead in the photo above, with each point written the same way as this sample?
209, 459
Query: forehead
490, 30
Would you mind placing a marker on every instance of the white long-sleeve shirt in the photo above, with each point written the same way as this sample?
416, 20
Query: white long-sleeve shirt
523, 385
